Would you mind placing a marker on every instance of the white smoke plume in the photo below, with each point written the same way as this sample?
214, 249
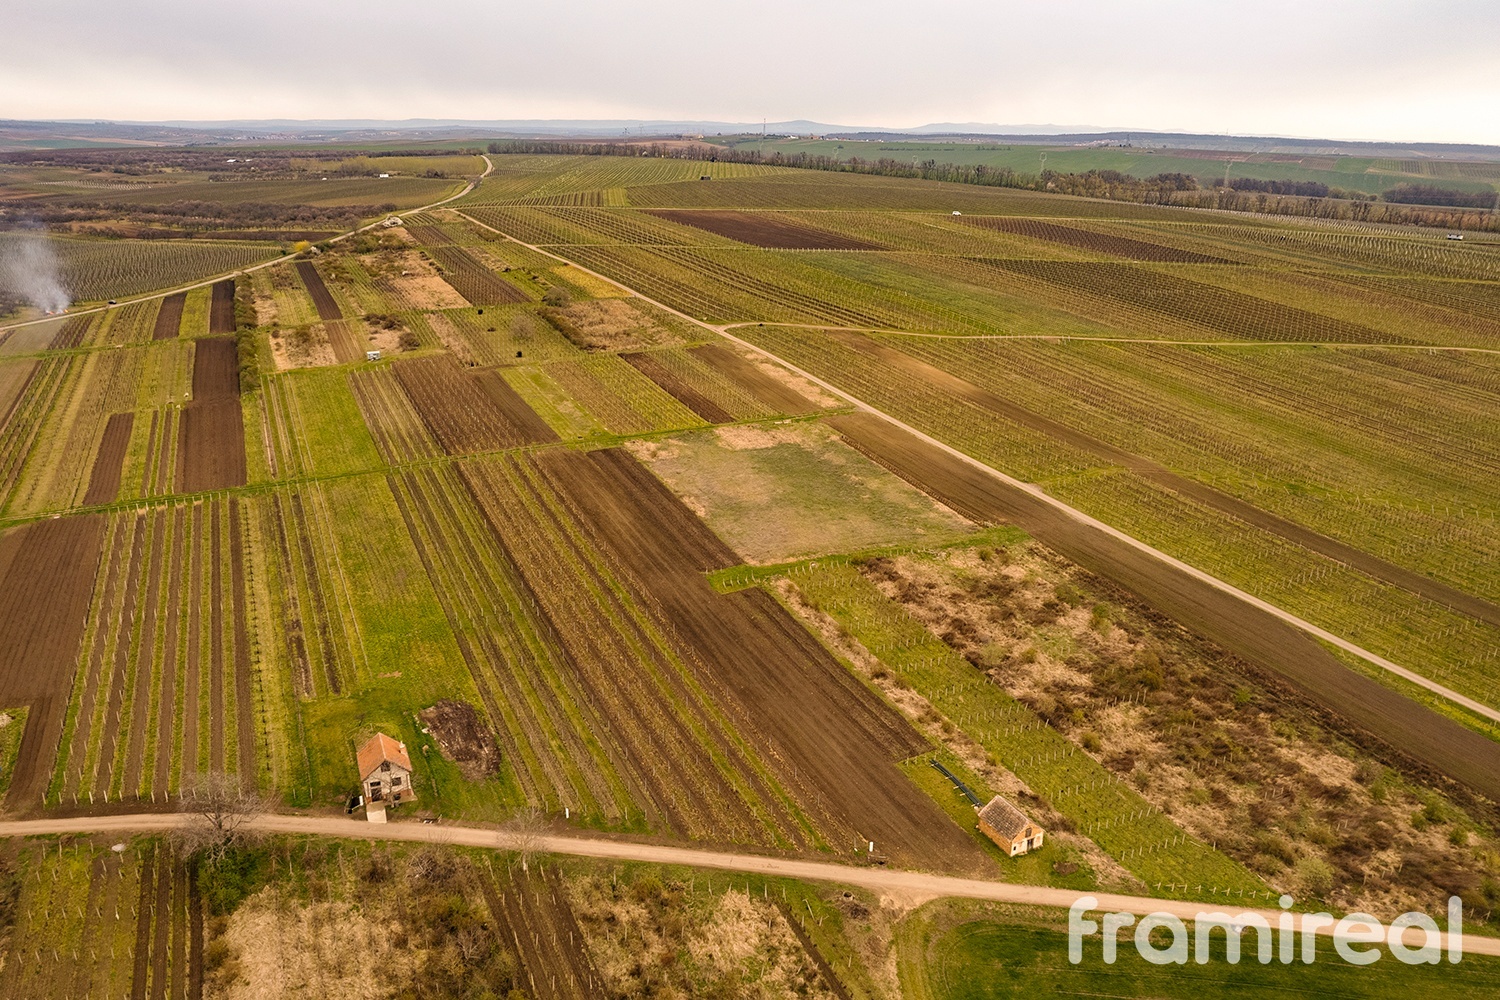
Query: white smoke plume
29, 269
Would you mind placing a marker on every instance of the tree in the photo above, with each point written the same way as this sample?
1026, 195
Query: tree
221, 812
524, 834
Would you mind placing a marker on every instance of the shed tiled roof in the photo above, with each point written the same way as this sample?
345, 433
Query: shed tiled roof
380, 749
1004, 818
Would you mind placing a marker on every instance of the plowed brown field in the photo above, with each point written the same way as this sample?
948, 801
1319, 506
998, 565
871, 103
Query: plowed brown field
1407, 728
211, 436
467, 412
769, 231
780, 397
833, 743
169, 317
104, 480
680, 390
323, 300
47, 572
1084, 239
221, 308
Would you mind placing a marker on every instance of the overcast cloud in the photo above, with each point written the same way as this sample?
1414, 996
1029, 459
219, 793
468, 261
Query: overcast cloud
1374, 69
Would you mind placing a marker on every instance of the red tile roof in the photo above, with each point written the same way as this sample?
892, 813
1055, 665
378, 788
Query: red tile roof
379, 750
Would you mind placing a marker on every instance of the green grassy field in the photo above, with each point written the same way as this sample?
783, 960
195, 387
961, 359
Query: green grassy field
968, 952
1369, 175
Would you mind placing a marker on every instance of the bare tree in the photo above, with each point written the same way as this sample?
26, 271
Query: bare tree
221, 811
524, 834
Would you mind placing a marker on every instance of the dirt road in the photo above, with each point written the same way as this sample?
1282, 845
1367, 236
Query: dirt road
910, 887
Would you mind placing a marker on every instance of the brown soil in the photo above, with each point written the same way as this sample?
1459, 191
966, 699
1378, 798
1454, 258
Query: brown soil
221, 308
1118, 246
46, 583
70, 334
1194, 490
345, 340
680, 390
212, 447
469, 413
762, 230
463, 738
216, 370
169, 317
471, 279
104, 480
773, 392
211, 434
323, 300
832, 741
1427, 738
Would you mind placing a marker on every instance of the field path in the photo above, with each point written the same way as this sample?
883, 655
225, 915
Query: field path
1158, 341
1072, 513
911, 887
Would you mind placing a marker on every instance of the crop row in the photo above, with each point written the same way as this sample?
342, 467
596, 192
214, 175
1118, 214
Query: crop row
1421, 635
548, 731
1394, 474
685, 759
163, 667
91, 921
1019, 451
103, 269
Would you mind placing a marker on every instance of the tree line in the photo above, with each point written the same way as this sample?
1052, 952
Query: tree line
1303, 199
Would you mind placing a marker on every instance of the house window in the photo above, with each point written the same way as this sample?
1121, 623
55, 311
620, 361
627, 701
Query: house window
395, 782
386, 766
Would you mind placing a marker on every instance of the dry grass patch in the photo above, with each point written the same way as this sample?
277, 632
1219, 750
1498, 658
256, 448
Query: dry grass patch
1233, 756
304, 346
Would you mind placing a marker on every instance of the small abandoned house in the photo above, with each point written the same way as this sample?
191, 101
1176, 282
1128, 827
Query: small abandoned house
1009, 827
385, 772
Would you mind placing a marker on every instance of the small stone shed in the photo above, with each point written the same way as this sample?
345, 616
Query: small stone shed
1009, 827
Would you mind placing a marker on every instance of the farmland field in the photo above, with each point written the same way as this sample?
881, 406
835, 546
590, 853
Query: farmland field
708, 505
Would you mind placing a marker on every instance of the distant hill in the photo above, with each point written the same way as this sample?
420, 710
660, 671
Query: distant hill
62, 134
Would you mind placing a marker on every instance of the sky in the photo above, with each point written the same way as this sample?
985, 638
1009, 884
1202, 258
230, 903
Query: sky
1338, 69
